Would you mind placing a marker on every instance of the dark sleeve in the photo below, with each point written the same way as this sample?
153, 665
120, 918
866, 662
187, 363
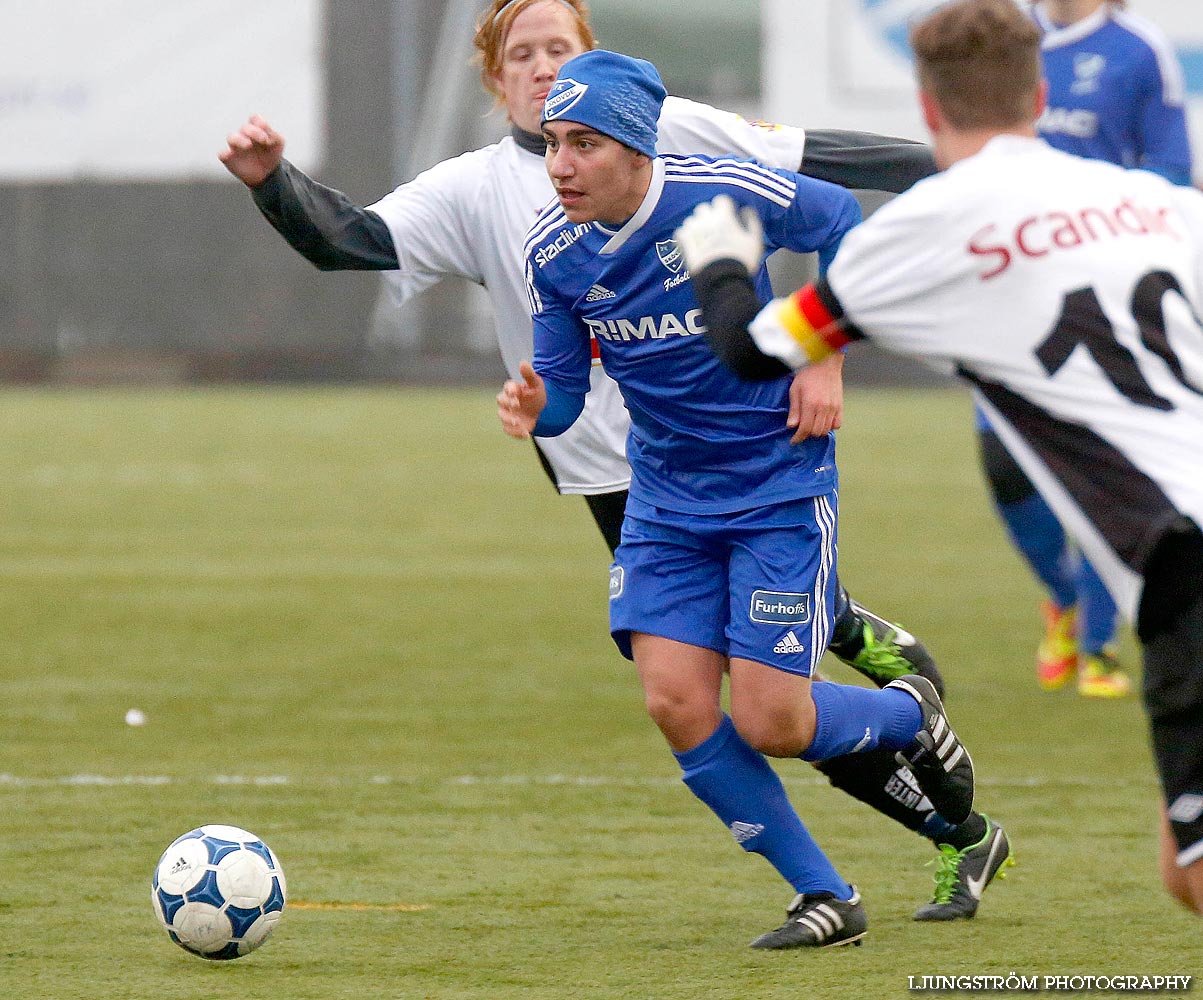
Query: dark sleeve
729, 303
864, 161
323, 225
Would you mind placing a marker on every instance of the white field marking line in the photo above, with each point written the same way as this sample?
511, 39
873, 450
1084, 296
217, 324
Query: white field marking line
8, 780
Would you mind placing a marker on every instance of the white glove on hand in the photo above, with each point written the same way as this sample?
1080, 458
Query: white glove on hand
715, 231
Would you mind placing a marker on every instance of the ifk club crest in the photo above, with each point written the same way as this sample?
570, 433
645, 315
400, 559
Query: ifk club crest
562, 96
670, 255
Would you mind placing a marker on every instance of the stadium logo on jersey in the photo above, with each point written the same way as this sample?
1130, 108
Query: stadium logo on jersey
1088, 67
789, 643
772, 607
546, 254
562, 96
599, 292
617, 581
647, 327
744, 832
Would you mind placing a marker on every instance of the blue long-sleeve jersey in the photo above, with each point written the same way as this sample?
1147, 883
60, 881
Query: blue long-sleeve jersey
1116, 93
702, 441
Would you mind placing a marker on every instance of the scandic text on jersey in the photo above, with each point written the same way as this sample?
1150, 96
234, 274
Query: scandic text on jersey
1039, 235
648, 327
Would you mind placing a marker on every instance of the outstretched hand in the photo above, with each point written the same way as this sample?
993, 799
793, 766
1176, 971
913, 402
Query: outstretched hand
520, 403
716, 231
253, 152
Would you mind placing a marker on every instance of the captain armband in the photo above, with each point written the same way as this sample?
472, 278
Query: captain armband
800, 329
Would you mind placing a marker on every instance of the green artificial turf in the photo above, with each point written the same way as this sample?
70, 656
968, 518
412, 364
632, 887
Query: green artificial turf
361, 624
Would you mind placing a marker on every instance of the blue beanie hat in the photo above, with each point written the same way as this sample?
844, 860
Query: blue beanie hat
617, 95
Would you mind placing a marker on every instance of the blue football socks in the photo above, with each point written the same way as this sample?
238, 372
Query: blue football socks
741, 788
853, 719
1096, 611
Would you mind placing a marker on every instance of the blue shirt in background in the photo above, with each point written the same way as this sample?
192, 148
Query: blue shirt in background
1116, 93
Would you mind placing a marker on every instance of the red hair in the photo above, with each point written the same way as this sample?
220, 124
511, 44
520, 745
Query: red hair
495, 23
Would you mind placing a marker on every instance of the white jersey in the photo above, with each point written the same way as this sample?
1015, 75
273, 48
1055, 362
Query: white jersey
1068, 292
469, 216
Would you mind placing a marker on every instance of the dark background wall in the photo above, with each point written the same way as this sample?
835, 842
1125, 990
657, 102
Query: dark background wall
180, 282
186, 280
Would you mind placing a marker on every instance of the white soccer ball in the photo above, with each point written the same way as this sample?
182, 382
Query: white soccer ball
218, 891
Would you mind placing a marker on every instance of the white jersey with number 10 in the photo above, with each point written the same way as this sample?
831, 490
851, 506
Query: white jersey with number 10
1068, 292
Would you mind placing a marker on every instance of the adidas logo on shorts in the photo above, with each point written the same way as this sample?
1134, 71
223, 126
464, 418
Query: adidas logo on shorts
789, 644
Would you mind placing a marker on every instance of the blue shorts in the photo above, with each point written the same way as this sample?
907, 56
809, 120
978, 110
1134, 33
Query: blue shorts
758, 585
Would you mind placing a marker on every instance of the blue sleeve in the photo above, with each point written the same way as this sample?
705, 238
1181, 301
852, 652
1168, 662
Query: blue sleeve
561, 411
814, 220
1165, 142
563, 355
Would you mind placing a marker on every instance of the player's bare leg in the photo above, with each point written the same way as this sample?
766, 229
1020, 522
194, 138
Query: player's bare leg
1184, 884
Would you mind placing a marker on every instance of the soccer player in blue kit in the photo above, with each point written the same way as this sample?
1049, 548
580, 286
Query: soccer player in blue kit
1115, 93
727, 558
469, 215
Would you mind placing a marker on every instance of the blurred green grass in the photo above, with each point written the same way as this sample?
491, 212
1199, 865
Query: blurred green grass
362, 625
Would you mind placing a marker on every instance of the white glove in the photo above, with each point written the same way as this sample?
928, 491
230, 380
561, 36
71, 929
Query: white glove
715, 231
